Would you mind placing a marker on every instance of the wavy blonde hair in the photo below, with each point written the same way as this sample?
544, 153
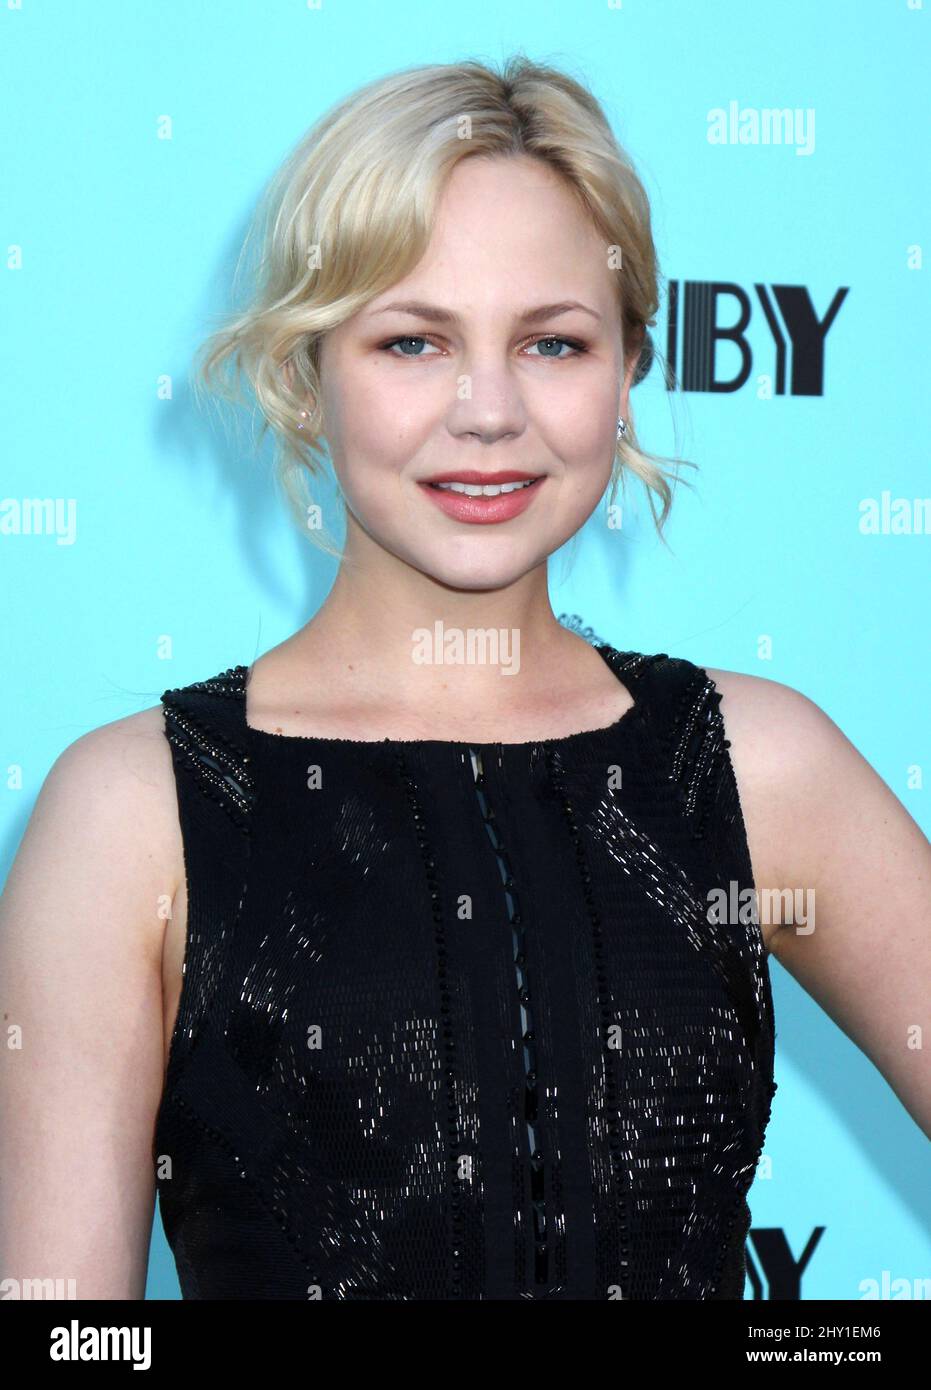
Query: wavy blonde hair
350, 212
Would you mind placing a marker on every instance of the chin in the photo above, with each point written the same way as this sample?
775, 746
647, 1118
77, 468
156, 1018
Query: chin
476, 572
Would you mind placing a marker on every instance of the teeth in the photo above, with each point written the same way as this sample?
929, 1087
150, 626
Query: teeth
490, 490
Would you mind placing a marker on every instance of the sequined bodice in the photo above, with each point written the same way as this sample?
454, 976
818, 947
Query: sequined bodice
463, 1022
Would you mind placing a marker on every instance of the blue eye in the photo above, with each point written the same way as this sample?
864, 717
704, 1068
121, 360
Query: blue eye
397, 342
560, 342
413, 345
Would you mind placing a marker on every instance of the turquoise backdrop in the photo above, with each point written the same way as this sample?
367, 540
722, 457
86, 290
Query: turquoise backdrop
166, 553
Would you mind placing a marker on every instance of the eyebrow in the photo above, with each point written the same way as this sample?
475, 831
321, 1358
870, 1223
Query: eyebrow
436, 314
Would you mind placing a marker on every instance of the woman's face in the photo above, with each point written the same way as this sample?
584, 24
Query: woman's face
449, 372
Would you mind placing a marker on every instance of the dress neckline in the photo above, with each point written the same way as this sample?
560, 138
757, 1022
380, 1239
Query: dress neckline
609, 654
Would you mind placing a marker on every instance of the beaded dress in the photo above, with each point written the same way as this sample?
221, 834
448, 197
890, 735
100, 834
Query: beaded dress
461, 1021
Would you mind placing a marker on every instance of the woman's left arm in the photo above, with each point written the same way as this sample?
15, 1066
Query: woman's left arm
821, 821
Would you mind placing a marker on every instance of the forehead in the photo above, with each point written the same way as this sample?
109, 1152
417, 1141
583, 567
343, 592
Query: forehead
511, 230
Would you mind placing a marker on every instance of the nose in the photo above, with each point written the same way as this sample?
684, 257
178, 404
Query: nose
488, 405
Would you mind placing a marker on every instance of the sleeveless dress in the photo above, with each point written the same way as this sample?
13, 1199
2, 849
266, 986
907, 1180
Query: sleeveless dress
460, 1021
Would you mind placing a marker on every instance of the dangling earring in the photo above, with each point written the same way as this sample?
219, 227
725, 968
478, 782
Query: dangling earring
306, 417
621, 428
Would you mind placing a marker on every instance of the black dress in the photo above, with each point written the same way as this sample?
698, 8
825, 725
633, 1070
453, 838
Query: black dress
462, 1021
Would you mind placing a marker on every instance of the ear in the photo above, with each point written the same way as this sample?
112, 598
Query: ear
630, 368
633, 350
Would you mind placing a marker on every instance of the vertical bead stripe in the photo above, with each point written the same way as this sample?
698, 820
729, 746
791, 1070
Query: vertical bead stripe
455, 1137
622, 1276
532, 1136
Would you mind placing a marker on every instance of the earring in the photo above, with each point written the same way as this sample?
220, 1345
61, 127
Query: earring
305, 415
621, 428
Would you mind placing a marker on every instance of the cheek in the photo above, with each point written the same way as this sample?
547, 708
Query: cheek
372, 451
582, 421
376, 420
587, 447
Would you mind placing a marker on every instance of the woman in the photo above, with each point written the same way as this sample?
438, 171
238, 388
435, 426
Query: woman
475, 1000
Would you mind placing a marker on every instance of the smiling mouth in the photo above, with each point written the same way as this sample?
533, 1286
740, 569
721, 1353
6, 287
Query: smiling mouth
483, 490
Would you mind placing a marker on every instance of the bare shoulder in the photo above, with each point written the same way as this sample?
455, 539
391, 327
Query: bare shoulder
129, 759
82, 933
111, 792
129, 742
808, 794
827, 832
789, 757
759, 711
777, 734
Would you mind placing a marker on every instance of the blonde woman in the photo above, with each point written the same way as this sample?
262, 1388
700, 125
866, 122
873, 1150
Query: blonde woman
420, 959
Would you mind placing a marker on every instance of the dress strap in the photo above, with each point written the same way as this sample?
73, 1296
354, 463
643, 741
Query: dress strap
681, 704
215, 791
205, 725
687, 745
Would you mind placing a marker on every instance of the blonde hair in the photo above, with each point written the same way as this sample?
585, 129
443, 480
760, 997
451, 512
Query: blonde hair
362, 186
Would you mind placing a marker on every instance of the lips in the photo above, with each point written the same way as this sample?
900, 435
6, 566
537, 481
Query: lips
470, 475
481, 489
477, 508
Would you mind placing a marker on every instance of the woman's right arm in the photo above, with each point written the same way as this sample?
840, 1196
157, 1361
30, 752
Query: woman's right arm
81, 1014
